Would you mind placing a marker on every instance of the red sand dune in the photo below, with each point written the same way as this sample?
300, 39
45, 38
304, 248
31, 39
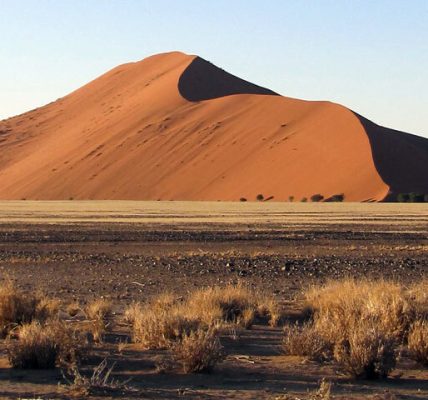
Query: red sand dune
175, 127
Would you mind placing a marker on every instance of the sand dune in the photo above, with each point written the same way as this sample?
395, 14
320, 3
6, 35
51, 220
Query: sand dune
175, 127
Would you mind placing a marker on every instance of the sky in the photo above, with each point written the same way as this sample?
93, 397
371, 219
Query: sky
369, 55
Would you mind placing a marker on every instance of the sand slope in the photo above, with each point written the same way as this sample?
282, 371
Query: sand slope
175, 127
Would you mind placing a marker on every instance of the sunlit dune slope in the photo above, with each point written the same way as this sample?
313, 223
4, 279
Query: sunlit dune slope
175, 127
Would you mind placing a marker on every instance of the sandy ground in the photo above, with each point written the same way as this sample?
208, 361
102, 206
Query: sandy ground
131, 251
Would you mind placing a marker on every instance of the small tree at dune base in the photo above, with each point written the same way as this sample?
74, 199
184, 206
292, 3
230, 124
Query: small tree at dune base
317, 198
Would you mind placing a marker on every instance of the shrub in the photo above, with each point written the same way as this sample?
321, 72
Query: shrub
43, 346
336, 198
260, 197
99, 382
403, 197
99, 313
155, 328
17, 308
364, 322
198, 351
304, 340
340, 306
317, 197
242, 199
418, 342
223, 304
290, 199
417, 295
416, 197
368, 351
304, 199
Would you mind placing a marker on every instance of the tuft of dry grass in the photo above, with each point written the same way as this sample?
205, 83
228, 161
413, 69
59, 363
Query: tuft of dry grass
38, 346
304, 340
418, 296
235, 304
418, 342
367, 352
17, 308
198, 351
157, 329
363, 322
339, 306
99, 313
100, 382
73, 309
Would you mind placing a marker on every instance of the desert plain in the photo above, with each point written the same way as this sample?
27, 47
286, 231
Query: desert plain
128, 251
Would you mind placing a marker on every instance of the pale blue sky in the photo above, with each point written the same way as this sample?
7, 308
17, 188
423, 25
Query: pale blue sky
370, 55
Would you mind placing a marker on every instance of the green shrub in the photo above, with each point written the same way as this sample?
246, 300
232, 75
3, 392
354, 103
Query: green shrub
403, 197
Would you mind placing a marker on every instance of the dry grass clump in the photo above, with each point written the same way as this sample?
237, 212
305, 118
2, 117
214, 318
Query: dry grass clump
368, 352
198, 351
418, 296
304, 340
339, 306
100, 382
155, 328
99, 313
223, 304
418, 342
73, 309
364, 323
17, 308
232, 304
40, 346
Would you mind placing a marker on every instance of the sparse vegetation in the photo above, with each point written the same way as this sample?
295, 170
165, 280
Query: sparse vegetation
290, 199
99, 312
304, 340
363, 323
39, 346
259, 197
242, 199
412, 197
418, 342
199, 351
336, 198
304, 199
17, 308
315, 198
99, 382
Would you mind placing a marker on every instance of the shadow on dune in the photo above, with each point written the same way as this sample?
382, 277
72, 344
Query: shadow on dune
401, 159
202, 80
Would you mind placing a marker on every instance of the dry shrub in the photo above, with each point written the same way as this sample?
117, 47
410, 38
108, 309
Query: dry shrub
339, 306
99, 313
418, 296
230, 304
46, 308
73, 309
198, 351
418, 342
368, 352
100, 382
17, 308
304, 340
364, 322
157, 329
270, 309
40, 346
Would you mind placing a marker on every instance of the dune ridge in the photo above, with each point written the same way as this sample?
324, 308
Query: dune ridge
175, 127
